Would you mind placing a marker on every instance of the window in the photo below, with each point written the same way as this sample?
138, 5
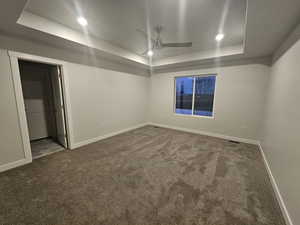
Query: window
195, 95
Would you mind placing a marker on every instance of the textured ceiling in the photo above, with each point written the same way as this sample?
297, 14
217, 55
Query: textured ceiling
116, 21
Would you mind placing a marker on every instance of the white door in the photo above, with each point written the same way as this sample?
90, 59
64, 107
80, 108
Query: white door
35, 85
59, 106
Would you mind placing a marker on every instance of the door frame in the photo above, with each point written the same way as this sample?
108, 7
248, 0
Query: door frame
16, 77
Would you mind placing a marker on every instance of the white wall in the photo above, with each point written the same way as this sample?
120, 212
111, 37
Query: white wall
239, 101
104, 101
101, 102
281, 129
11, 149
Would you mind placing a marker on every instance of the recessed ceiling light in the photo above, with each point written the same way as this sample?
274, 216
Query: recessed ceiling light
82, 21
150, 53
219, 37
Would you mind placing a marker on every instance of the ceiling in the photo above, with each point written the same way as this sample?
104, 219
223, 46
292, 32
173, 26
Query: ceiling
117, 21
252, 29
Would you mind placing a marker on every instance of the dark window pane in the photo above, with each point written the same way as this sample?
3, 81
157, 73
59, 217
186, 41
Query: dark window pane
204, 95
184, 95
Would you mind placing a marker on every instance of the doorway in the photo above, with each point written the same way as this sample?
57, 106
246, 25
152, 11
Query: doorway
44, 107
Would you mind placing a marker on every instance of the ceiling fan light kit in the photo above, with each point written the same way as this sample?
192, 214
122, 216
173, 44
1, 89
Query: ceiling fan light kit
150, 53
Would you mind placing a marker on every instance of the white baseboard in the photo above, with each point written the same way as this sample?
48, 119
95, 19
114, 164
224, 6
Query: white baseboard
282, 205
12, 165
244, 140
92, 140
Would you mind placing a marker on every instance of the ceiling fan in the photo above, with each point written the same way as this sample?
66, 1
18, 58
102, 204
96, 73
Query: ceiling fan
157, 43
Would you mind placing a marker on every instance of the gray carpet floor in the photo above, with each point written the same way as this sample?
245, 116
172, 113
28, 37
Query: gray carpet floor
149, 176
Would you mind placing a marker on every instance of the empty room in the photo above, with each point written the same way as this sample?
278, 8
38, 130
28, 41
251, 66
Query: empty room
148, 112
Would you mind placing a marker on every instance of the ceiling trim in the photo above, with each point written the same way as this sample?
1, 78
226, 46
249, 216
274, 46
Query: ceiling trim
74, 56
203, 55
288, 42
79, 56
47, 26
214, 63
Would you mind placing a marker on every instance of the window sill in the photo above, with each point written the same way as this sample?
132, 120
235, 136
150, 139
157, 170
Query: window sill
194, 116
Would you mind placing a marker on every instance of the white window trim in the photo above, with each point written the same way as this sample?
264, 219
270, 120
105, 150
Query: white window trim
193, 101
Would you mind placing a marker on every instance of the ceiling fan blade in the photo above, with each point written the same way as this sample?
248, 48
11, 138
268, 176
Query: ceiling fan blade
144, 53
144, 34
183, 44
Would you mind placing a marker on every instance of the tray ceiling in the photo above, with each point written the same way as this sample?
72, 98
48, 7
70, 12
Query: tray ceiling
116, 21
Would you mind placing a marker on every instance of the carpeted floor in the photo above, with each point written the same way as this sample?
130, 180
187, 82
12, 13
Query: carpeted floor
149, 176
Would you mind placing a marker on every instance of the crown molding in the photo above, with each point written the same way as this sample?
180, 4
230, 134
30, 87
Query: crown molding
213, 63
288, 42
72, 54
